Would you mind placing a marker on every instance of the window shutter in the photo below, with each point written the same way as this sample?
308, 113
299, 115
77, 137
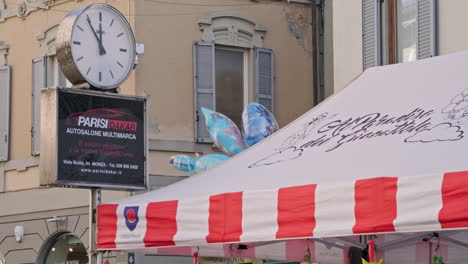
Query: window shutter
4, 111
204, 82
371, 33
264, 78
39, 81
426, 29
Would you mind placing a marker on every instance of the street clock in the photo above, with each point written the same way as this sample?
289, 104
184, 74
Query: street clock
96, 45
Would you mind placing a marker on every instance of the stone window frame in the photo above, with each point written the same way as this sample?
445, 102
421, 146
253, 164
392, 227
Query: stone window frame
47, 40
235, 31
232, 29
3, 53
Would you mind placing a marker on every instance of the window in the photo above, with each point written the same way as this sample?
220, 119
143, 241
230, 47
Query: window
230, 80
5, 81
397, 31
46, 72
406, 30
230, 69
221, 82
66, 248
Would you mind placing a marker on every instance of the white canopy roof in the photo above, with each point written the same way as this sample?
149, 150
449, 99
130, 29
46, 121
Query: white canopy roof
379, 100
387, 154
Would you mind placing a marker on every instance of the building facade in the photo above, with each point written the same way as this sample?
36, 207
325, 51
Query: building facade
364, 33
219, 55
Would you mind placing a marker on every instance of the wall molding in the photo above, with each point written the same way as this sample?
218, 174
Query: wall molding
232, 29
25, 7
47, 40
3, 52
18, 165
181, 146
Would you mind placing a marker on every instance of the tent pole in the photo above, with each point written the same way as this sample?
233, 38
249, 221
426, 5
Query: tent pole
94, 256
453, 241
351, 242
398, 242
327, 243
259, 244
430, 252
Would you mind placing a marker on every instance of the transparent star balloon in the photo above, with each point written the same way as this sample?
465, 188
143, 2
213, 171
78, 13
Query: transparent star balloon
257, 124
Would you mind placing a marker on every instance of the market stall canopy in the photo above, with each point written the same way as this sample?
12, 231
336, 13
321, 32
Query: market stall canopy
387, 154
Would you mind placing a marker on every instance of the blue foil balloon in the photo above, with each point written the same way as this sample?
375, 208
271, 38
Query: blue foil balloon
205, 162
224, 132
183, 163
257, 124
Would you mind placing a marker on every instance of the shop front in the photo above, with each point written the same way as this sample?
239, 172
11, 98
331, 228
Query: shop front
64, 248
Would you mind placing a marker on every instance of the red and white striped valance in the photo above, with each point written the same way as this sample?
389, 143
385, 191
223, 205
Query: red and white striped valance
368, 206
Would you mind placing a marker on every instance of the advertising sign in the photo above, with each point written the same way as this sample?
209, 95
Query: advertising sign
101, 140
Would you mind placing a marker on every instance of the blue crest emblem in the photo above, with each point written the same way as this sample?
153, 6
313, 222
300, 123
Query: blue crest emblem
131, 217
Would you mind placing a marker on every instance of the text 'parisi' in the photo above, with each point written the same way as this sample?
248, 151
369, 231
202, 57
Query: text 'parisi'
94, 122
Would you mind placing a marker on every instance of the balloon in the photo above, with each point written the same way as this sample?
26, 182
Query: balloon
205, 162
258, 123
183, 163
224, 132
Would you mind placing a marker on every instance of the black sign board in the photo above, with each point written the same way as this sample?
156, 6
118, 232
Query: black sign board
101, 140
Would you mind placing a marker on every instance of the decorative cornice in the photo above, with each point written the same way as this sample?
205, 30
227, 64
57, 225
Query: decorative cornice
47, 40
25, 7
2, 10
3, 52
234, 15
233, 29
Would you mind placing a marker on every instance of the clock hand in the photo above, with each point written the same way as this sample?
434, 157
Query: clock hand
92, 29
102, 51
100, 40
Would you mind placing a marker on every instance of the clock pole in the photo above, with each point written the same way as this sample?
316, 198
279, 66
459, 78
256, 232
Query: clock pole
79, 28
95, 257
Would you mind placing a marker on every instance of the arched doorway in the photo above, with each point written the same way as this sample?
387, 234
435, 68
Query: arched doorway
63, 248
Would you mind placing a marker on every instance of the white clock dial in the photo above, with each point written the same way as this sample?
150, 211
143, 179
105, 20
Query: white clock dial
102, 46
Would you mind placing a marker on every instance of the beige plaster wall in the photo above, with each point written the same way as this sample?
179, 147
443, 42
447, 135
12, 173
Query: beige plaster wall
165, 72
328, 48
453, 22
28, 179
347, 36
47, 199
21, 35
166, 69
346, 55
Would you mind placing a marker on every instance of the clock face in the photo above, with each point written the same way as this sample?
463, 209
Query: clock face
102, 46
